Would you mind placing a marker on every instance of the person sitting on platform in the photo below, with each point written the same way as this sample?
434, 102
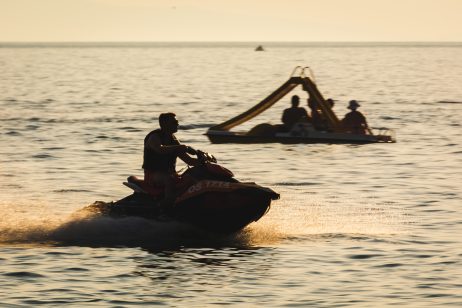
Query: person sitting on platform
354, 121
330, 102
161, 149
294, 114
319, 122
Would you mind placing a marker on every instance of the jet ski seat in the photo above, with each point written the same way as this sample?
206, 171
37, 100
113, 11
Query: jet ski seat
139, 186
136, 184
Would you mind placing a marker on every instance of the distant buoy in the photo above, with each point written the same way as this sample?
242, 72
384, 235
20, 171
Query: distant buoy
259, 48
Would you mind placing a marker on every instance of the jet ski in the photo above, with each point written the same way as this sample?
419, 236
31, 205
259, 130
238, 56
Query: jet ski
208, 197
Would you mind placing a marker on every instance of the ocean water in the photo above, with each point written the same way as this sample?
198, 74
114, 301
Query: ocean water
357, 225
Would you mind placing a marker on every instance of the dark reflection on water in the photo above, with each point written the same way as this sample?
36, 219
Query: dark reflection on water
187, 271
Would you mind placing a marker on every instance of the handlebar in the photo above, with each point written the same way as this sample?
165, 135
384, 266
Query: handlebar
205, 157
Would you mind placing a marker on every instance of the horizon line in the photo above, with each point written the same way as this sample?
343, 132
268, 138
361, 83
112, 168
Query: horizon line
218, 41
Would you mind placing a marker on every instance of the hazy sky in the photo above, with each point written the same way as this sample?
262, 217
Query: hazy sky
231, 20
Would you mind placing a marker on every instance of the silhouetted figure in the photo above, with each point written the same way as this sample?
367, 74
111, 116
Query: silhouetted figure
161, 149
294, 114
354, 121
318, 120
330, 102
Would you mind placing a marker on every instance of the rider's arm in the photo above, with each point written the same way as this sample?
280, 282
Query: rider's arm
191, 161
155, 144
186, 156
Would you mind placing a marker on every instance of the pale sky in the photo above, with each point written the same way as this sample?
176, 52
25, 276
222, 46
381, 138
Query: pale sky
230, 20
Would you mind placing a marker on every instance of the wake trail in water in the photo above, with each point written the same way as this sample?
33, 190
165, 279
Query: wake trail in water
85, 228
288, 219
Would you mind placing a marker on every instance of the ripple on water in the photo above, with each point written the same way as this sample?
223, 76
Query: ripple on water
449, 102
44, 156
365, 256
297, 184
53, 148
23, 274
59, 253
130, 129
70, 190
77, 269
32, 127
389, 265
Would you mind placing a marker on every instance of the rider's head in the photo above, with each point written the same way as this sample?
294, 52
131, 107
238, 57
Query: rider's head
295, 101
168, 122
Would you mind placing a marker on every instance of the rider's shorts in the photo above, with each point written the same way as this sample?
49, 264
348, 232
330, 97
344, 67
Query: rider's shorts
156, 178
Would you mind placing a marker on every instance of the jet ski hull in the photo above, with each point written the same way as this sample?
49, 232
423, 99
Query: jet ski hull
222, 211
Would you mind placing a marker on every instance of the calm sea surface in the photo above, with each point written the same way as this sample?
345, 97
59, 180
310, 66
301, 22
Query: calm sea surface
363, 226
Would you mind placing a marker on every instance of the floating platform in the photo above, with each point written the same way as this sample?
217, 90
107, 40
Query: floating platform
217, 136
301, 132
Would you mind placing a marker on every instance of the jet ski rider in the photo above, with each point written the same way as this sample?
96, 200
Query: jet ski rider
161, 149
